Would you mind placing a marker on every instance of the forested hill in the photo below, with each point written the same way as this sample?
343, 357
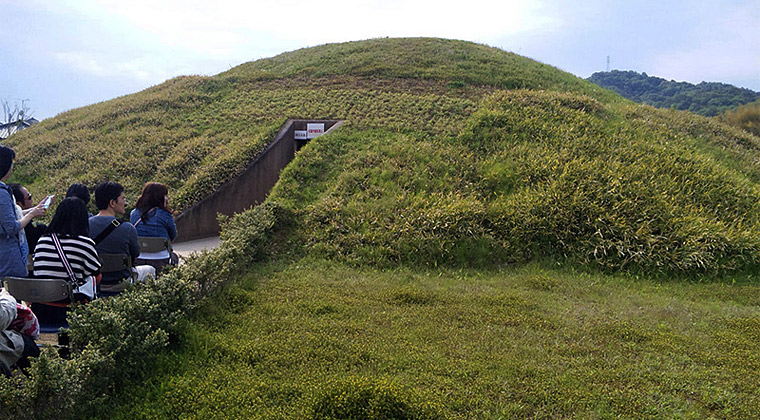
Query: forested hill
707, 99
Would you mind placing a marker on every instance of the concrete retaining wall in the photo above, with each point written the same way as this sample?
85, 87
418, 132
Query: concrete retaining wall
248, 189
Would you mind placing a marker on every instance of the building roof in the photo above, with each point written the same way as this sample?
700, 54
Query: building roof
9, 128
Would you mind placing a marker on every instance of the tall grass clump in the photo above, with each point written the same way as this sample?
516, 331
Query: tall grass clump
368, 399
746, 117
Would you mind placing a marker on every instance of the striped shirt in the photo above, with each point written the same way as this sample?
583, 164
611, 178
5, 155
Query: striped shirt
79, 251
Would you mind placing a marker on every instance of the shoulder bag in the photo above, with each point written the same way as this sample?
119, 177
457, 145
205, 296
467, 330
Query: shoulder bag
88, 287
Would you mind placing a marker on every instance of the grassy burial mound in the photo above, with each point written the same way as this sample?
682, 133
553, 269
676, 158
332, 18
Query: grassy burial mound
194, 133
453, 153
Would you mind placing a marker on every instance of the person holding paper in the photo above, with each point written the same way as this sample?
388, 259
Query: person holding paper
33, 230
13, 247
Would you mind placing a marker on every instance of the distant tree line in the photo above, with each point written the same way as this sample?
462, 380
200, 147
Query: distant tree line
709, 99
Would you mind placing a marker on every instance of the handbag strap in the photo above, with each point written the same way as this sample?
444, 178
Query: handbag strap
107, 231
64, 260
146, 215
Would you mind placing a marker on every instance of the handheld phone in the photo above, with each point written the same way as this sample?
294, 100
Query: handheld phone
48, 200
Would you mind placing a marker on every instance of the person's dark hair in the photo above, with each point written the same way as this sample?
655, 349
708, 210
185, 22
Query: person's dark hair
6, 160
80, 191
152, 196
17, 194
70, 218
105, 192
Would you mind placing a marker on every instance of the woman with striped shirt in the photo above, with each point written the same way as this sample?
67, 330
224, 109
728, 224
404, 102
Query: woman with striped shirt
71, 229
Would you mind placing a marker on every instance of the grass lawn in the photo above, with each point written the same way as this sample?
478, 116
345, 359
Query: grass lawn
315, 339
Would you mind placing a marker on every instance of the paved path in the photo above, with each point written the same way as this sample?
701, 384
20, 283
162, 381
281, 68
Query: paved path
184, 249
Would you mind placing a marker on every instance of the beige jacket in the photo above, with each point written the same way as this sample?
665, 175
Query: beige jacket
11, 342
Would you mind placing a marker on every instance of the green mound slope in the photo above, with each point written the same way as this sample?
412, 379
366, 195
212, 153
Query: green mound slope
194, 133
459, 63
453, 153
537, 174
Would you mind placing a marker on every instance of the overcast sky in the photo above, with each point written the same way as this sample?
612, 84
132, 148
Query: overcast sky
63, 54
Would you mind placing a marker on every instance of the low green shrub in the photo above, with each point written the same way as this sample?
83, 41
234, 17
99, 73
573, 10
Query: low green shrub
53, 390
113, 338
139, 323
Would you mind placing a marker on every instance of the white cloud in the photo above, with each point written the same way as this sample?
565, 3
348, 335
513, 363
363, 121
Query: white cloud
222, 28
137, 43
712, 61
139, 69
150, 41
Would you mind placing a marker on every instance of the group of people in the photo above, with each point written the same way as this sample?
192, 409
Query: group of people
69, 247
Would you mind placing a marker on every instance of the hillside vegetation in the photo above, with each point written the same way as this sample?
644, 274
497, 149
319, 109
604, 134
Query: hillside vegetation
746, 117
453, 153
536, 174
706, 98
194, 133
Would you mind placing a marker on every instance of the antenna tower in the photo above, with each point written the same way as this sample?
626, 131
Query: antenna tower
608, 63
